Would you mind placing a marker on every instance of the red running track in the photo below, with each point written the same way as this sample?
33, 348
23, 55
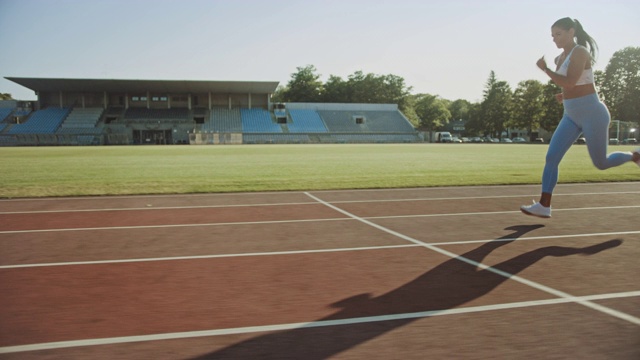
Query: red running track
402, 273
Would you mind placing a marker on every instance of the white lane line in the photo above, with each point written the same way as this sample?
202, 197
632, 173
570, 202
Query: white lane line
305, 220
496, 212
530, 238
475, 197
306, 325
173, 226
533, 284
294, 252
151, 207
197, 257
152, 196
437, 188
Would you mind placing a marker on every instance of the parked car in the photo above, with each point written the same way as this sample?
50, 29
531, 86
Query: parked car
581, 141
506, 140
614, 141
455, 139
518, 140
629, 141
539, 140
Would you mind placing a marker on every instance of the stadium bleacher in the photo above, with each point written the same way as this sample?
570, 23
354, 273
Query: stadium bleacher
373, 121
258, 121
224, 120
4, 112
82, 121
215, 112
318, 123
341, 122
306, 121
45, 121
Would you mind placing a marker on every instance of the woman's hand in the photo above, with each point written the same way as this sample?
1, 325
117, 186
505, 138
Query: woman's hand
542, 63
559, 97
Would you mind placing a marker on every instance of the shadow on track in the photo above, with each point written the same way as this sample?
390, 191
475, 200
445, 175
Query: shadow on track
446, 286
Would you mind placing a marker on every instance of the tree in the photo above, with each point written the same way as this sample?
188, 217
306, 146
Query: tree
372, 88
528, 105
431, 111
407, 106
335, 90
304, 86
553, 109
278, 95
459, 109
473, 125
375, 89
5, 96
621, 84
496, 106
598, 78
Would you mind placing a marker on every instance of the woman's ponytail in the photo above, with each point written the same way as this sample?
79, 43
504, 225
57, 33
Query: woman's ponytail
582, 38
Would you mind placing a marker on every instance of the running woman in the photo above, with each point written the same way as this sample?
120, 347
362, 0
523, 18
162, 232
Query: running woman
583, 110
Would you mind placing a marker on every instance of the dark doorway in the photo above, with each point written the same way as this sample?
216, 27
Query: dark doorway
152, 137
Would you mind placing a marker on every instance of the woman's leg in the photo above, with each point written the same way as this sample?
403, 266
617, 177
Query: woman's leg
596, 132
565, 135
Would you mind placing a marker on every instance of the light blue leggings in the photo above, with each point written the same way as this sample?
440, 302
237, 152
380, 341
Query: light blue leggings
589, 116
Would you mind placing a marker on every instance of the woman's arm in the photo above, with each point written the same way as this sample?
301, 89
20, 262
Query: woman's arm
579, 59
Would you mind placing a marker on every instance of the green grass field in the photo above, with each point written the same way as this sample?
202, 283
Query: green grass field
115, 170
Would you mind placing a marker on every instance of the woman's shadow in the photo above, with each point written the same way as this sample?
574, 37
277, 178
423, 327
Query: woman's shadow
448, 285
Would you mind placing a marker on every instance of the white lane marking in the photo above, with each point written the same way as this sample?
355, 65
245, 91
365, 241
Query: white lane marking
495, 212
475, 197
294, 252
533, 284
306, 325
197, 257
304, 220
307, 203
109, 197
530, 238
173, 226
151, 207
436, 188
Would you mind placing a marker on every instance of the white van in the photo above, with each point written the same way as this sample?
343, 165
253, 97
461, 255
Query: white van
442, 137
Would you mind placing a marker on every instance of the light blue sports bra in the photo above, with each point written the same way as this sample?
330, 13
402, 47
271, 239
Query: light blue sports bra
587, 74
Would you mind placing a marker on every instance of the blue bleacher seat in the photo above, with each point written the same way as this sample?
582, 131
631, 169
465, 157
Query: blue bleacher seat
258, 121
4, 112
375, 121
45, 121
306, 121
224, 120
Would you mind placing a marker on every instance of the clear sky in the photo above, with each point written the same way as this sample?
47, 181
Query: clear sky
440, 47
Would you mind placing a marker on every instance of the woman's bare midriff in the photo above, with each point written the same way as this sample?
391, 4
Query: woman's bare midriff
578, 91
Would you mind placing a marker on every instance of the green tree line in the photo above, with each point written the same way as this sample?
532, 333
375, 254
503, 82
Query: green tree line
531, 105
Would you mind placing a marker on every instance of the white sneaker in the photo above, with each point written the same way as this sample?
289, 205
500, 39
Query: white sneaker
536, 210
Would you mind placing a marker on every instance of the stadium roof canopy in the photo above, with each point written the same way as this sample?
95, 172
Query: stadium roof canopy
159, 86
